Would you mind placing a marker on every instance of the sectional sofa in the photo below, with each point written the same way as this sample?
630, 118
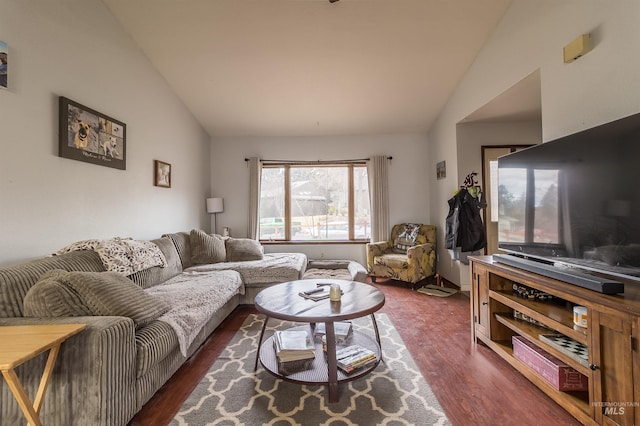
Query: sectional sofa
141, 326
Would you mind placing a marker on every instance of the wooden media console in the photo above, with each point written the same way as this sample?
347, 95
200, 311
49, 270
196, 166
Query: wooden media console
501, 309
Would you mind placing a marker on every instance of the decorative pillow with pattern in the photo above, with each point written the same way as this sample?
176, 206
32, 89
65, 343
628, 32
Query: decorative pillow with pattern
407, 238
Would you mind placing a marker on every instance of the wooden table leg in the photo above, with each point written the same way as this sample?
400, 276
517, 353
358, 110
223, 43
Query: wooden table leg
32, 411
332, 363
46, 375
21, 396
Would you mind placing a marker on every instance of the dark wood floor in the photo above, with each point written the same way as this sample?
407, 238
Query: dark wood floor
474, 386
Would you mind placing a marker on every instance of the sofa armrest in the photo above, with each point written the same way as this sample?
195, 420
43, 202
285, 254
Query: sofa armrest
93, 381
376, 249
357, 271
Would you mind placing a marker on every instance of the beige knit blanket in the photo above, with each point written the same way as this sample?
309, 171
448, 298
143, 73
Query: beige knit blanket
194, 298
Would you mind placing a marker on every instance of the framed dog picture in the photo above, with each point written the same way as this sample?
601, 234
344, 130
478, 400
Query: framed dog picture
4, 67
162, 174
89, 136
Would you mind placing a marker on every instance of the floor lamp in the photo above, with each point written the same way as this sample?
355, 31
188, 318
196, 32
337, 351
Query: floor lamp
215, 206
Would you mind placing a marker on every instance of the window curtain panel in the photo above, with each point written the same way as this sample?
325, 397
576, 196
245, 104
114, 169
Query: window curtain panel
378, 172
255, 174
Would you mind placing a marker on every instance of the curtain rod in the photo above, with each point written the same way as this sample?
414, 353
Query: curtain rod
316, 161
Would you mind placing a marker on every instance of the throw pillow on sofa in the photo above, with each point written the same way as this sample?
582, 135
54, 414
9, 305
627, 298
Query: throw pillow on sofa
61, 293
407, 238
50, 298
206, 248
242, 249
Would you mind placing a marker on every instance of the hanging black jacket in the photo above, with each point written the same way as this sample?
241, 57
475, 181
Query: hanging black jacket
464, 227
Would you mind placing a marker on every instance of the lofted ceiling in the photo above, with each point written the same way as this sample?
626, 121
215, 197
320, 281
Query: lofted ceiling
311, 67
521, 102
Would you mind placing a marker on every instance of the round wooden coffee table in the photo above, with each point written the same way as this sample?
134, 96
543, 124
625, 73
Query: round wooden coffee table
282, 301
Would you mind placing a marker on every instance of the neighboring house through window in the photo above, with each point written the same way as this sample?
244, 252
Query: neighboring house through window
319, 202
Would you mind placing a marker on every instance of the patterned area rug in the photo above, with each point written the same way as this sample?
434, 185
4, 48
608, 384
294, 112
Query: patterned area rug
395, 393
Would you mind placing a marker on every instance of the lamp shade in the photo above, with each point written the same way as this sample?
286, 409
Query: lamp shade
215, 205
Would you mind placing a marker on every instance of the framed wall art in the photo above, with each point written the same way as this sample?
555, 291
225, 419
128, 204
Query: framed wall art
161, 174
441, 170
90, 136
4, 64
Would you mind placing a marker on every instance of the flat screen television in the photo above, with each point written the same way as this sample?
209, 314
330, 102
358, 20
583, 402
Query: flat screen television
575, 201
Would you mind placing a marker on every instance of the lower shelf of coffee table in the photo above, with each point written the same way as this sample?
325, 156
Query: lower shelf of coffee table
319, 373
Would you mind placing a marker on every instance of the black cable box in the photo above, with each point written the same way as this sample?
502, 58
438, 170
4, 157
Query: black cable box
599, 284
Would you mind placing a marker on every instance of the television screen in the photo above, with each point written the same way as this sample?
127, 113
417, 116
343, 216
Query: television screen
575, 200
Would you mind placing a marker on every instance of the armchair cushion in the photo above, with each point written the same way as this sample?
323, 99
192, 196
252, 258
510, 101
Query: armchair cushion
393, 260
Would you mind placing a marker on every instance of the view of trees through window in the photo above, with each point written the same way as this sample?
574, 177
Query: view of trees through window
303, 203
541, 224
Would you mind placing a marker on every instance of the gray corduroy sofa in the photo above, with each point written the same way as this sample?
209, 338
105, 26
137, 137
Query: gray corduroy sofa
105, 374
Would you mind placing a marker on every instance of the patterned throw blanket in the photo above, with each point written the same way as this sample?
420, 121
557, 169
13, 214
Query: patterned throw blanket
194, 298
123, 255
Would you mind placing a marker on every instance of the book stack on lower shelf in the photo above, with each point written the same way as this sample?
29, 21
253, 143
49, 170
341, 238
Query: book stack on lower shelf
342, 330
354, 358
295, 351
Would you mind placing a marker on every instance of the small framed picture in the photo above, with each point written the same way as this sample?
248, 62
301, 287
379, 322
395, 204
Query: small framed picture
162, 174
4, 67
441, 170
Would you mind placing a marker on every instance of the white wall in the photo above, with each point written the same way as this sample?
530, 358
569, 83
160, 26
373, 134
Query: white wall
471, 137
75, 48
409, 177
601, 86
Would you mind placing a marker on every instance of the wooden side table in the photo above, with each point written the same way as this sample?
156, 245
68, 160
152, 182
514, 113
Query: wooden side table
24, 342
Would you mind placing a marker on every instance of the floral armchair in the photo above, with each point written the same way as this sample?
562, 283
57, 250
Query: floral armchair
409, 256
